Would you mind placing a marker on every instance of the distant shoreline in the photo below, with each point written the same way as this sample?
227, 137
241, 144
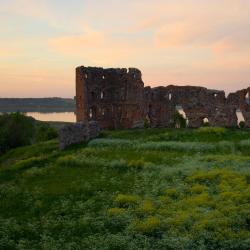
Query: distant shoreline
42, 105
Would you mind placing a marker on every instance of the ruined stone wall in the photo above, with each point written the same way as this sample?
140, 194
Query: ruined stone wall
77, 133
240, 100
198, 103
116, 98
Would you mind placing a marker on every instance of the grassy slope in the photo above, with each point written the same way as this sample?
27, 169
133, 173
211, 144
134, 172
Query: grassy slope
136, 189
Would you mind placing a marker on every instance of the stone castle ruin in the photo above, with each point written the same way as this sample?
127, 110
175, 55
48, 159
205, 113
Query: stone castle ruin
117, 98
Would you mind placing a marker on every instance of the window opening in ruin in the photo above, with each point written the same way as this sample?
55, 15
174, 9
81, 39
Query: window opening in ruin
103, 77
247, 98
215, 95
102, 95
90, 113
86, 76
123, 94
150, 110
240, 119
93, 95
169, 96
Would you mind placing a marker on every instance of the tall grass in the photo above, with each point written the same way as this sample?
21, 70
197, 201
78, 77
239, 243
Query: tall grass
138, 189
223, 146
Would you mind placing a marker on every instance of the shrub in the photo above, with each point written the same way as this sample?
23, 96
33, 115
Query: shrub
198, 189
176, 146
147, 122
248, 178
147, 207
44, 132
68, 161
105, 142
205, 124
16, 130
179, 120
148, 225
159, 137
225, 146
125, 200
136, 164
115, 211
204, 177
35, 171
30, 162
194, 201
118, 164
242, 124
245, 143
212, 130
172, 193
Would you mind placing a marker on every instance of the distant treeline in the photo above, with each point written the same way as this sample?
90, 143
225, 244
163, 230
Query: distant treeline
54, 104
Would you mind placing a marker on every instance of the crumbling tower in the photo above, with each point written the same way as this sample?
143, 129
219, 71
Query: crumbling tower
113, 97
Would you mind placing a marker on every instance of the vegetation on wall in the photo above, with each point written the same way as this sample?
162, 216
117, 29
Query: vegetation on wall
179, 120
242, 124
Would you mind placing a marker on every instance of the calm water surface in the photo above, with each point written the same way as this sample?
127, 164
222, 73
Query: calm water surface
54, 117
71, 117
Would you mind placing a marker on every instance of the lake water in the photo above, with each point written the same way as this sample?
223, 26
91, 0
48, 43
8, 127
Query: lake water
54, 117
71, 117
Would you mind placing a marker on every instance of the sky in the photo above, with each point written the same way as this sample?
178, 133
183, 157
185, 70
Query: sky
181, 42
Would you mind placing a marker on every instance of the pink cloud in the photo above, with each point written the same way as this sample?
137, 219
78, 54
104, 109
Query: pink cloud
94, 46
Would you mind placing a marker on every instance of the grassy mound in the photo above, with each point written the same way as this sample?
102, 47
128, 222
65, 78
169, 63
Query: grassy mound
135, 189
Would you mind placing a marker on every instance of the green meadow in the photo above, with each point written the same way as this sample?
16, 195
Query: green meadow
129, 189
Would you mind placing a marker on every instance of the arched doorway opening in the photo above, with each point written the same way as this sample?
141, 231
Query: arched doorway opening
180, 119
205, 122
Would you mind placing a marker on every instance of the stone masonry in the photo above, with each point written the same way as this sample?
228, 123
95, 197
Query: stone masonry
117, 98
78, 132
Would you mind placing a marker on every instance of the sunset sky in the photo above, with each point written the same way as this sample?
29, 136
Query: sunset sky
184, 42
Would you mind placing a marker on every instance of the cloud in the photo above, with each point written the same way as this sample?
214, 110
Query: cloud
94, 46
73, 44
36, 81
176, 35
4, 53
32, 8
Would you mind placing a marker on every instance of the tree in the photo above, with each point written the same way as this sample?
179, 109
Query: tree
242, 124
16, 130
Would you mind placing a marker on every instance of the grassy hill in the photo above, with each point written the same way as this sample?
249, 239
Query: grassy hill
136, 189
